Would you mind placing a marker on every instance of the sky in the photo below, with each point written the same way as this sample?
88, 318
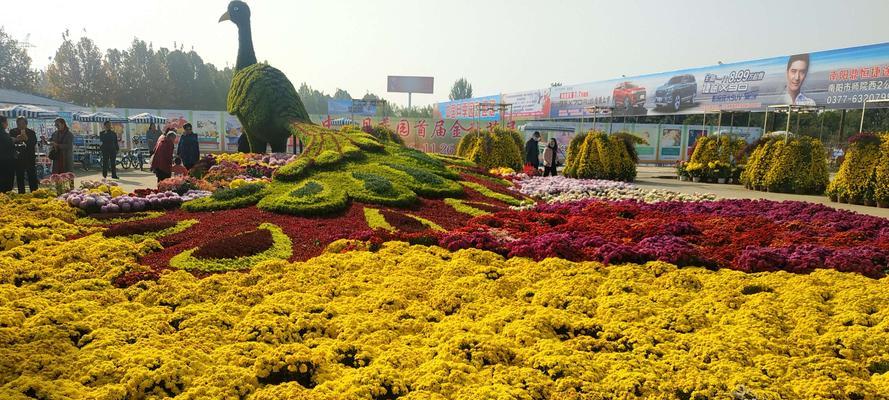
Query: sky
498, 45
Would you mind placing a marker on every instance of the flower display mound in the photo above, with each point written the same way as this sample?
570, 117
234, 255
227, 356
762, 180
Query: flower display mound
424, 322
337, 167
493, 148
787, 164
310, 235
856, 182
596, 155
745, 235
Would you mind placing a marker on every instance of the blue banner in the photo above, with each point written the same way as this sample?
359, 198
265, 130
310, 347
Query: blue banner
351, 107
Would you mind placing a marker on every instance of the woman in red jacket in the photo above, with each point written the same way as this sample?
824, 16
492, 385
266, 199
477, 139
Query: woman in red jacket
162, 161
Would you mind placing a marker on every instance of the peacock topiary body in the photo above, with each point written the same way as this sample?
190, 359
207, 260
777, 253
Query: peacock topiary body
267, 105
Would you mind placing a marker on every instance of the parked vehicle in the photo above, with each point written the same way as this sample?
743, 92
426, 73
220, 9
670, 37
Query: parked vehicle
628, 95
678, 91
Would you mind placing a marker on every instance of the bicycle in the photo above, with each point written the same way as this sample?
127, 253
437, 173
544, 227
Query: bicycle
133, 158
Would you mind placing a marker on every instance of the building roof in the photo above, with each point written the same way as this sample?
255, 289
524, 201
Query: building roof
9, 96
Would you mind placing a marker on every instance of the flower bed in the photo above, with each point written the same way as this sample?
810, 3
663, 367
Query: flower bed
560, 189
595, 155
418, 322
746, 235
857, 181
493, 148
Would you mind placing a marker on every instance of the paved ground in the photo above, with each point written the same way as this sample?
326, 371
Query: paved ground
648, 177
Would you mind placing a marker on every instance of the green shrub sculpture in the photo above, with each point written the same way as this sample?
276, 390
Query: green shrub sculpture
495, 148
796, 164
856, 180
595, 155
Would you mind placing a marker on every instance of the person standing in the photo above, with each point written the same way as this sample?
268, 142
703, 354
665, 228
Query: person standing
109, 148
243, 143
26, 161
151, 138
62, 152
532, 152
189, 147
162, 160
7, 157
551, 158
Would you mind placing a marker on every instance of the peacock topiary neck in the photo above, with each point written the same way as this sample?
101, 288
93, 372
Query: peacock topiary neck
246, 55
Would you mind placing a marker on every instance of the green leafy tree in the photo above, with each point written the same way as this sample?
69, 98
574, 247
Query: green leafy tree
462, 89
76, 73
341, 94
15, 65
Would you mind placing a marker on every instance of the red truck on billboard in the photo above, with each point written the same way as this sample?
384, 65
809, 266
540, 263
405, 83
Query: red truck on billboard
628, 96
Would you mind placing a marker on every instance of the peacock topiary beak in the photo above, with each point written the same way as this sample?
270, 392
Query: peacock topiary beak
225, 17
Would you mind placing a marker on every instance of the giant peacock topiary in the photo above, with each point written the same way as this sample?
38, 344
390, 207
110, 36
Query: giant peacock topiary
335, 167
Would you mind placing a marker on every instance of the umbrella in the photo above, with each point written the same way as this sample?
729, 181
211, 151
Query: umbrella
99, 117
147, 118
27, 111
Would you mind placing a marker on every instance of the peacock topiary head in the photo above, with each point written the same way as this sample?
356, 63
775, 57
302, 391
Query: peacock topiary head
238, 13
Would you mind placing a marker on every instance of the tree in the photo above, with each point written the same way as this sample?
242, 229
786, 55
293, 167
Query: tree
461, 90
76, 73
15, 65
341, 94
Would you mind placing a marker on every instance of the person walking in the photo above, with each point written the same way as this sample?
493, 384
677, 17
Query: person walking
189, 147
62, 152
26, 161
151, 138
7, 157
109, 148
532, 152
551, 158
162, 160
243, 143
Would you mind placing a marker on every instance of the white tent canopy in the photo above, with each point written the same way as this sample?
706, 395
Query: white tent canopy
99, 117
147, 118
27, 111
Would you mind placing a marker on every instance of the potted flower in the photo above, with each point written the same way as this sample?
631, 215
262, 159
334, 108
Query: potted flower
695, 171
682, 171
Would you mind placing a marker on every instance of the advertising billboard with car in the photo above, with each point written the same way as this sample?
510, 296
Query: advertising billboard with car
835, 79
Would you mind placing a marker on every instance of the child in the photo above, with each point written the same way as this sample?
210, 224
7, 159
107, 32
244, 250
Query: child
178, 168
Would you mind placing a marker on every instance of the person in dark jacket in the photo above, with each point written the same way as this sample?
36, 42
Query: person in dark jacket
243, 143
7, 157
532, 152
26, 161
109, 148
189, 147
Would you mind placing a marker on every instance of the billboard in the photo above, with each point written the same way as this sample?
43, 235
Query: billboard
351, 107
469, 109
842, 78
528, 104
410, 84
834, 79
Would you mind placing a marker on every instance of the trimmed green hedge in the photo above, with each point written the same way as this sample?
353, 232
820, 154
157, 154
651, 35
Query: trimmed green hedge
225, 199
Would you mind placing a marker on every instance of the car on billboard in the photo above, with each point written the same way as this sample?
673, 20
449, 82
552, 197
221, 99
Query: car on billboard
678, 91
628, 96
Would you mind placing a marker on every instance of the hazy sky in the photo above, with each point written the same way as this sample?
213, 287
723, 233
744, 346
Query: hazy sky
498, 45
